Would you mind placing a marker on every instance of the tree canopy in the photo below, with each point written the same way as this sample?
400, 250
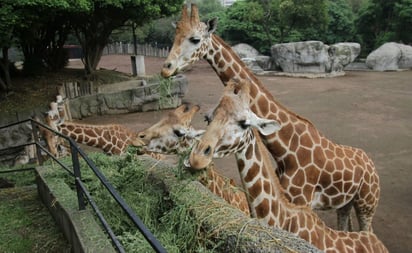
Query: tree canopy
40, 28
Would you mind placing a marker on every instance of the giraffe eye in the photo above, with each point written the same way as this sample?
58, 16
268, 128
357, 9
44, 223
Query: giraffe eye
178, 133
194, 40
243, 124
208, 119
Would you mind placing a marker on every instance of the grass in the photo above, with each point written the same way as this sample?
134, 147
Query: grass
172, 224
26, 225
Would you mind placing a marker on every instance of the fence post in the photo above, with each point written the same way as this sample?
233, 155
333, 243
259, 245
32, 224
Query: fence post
77, 174
34, 129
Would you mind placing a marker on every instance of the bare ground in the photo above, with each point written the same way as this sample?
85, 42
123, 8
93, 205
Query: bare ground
369, 110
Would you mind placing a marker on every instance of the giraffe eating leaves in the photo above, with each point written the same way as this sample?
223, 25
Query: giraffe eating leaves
313, 170
235, 129
174, 134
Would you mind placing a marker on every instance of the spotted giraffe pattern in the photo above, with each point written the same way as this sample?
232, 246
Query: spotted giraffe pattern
174, 134
113, 139
314, 170
234, 129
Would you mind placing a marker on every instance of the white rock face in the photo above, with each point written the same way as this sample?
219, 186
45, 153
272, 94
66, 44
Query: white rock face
314, 56
245, 50
390, 56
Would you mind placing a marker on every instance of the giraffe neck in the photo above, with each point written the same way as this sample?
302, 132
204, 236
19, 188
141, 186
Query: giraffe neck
225, 62
112, 139
228, 65
267, 202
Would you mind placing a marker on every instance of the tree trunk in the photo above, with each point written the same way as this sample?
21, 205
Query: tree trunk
5, 80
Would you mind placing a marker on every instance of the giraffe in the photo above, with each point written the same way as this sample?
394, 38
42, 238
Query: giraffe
314, 170
113, 139
174, 134
235, 129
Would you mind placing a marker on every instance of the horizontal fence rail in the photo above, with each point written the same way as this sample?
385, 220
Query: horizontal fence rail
82, 192
128, 48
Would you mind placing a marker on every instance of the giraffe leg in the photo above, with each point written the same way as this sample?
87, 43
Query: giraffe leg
364, 216
344, 217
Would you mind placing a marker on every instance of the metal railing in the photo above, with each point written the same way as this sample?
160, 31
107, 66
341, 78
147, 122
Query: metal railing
82, 192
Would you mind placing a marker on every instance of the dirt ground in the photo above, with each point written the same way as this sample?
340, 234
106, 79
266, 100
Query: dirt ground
369, 110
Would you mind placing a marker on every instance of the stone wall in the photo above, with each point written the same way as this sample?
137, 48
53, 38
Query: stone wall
130, 96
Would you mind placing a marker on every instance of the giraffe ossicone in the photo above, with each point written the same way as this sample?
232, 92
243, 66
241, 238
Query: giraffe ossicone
229, 133
314, 170
174, 134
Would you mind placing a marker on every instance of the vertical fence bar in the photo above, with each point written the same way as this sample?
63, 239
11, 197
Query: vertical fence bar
77, 174
35, 129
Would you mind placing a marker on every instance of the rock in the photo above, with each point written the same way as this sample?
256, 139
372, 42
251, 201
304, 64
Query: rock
303, 57
265, 62
314, 56
129, 96
342, 54
245, 51
390, 56
252, 64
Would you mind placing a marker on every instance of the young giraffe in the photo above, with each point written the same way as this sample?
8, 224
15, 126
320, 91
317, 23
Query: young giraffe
313, 170
174, 134
234, 129
113, 139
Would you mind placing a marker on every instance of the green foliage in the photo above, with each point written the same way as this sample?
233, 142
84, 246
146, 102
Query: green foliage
242, 24
93, 28
383, 21
341, 22
172, 225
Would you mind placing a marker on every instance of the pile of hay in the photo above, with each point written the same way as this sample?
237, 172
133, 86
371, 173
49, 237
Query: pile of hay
182, 214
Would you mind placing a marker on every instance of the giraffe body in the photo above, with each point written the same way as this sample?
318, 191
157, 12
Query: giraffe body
313, 170
112, 139
174, 134
234, 129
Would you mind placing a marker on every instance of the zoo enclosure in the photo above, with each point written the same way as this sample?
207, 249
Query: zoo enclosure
82, 193
141, 49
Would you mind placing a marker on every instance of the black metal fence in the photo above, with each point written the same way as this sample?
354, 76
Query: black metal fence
82, 193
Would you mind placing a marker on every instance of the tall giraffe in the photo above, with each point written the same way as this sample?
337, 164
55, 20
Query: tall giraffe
235, 129
113, 139
174, 134
313, 170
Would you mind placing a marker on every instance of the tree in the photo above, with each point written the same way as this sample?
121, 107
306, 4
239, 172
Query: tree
381, 21
93, 28
42, 31
8, 20
308, 17
403, 12
243, 24
341, 22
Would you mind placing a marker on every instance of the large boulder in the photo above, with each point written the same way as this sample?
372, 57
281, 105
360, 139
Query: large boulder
301, 57
314, 56
390, 56
256, 62
245, 50
342, 54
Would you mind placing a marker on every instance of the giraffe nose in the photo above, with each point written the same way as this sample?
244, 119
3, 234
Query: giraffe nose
206, 152
141, 136
167, 65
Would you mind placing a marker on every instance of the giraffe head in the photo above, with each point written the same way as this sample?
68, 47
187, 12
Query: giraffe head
172, 133
230, 128
191, 40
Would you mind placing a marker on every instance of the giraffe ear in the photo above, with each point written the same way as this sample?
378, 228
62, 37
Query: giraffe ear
264, 126
196, 134
269, 127
212, 25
